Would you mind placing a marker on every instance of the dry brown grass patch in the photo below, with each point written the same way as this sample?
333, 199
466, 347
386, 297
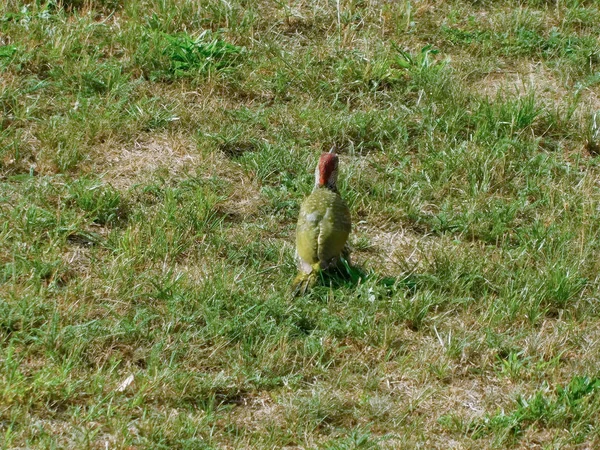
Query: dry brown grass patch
392, 247
128, 165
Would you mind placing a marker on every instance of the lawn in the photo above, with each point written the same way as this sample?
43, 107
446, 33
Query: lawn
153, 157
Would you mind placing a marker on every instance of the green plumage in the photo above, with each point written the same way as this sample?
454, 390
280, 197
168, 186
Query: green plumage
323, 227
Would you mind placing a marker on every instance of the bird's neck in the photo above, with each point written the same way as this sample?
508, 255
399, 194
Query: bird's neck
329, 178
331, 186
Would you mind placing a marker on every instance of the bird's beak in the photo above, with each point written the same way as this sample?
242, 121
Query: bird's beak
332, 151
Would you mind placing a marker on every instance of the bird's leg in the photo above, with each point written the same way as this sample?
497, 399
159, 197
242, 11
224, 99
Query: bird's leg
306, 278
302, 283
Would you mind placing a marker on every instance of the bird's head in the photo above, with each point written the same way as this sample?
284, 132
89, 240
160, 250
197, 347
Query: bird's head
327, 170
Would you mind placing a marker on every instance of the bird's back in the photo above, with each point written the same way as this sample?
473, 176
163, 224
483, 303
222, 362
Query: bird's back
323, 227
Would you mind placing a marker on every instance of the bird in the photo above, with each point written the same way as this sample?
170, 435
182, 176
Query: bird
324, 224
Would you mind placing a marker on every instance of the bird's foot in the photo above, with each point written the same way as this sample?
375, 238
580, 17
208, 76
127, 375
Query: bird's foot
304, 281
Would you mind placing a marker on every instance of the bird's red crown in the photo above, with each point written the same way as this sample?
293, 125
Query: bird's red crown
327, 165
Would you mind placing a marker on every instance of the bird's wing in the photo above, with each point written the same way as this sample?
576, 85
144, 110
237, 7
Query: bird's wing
334, 231
307, 237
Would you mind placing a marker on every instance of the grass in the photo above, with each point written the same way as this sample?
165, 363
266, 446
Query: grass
152, 159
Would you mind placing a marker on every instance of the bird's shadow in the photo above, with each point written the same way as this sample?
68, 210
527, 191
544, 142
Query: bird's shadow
343, 275
346, 275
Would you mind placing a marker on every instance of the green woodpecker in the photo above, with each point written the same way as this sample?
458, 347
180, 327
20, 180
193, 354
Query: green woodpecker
323, 225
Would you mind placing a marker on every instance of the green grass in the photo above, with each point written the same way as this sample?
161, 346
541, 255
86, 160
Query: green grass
153, 156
